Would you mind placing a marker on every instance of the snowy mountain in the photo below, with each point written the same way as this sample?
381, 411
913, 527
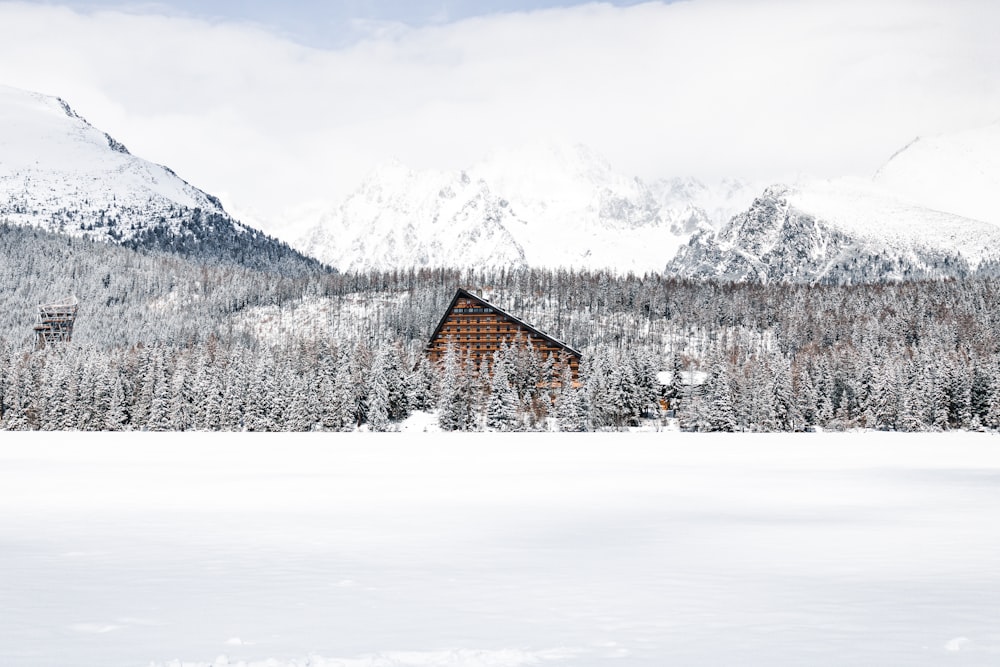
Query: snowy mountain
958, 172
548, 206
577, 211
400, 218
928, 213
718, 202
59, 173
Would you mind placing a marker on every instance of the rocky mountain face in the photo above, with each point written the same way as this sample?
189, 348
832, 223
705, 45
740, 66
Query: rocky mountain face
779, 240
61, 174
544, 206
913, 220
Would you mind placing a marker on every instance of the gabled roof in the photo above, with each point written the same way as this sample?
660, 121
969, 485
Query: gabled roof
465, 294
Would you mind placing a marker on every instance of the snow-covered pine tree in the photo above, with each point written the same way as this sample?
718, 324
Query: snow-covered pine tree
58, 411
882, 409
625, 396
992, 417
378, 400
569, 411
183, 413
454, 408
21, 413
716, 411
343, 411
258, 409
421, 384
116, 418
502, 406
397, 383
805, 395
300, 409
981, 391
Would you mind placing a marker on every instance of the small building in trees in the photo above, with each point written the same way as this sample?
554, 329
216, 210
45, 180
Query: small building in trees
55, 322
477, 329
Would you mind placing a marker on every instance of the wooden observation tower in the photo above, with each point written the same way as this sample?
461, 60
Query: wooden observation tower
55, 322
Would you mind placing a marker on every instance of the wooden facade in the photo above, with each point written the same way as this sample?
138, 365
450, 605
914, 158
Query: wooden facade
55, 323
477, 329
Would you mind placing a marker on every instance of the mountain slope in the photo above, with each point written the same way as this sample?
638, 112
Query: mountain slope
958, 172
61, 174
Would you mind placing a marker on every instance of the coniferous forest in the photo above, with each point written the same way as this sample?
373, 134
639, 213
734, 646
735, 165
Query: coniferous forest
163, 343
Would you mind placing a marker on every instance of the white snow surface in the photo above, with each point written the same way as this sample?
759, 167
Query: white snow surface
52, 161
438, 549
957, 172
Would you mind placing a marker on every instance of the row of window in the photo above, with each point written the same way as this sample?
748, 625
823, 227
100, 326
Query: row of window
475, 320
473, 310
486, 328
487, 344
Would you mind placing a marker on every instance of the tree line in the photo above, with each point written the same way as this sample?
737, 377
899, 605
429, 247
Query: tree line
903, 356
314, 386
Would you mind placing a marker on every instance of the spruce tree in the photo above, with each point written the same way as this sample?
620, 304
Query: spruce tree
569, 410
378, 391
502, 407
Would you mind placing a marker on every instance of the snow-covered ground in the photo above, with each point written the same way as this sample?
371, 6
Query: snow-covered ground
501, 550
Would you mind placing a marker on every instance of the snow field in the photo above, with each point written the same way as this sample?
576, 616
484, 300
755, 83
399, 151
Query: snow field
499, 549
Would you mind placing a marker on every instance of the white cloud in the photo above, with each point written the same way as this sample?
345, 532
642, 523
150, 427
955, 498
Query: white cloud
758, 88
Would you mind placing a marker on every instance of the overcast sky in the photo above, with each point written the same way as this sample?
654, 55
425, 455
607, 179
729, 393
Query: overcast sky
326, 23
271, 105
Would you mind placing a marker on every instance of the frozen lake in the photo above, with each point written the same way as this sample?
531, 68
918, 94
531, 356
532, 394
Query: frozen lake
503, 550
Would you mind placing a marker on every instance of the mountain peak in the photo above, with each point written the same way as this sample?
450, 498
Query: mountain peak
60, 173
550, 204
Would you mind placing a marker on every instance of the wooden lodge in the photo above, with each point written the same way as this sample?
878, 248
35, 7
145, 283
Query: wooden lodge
55, 322
477, 329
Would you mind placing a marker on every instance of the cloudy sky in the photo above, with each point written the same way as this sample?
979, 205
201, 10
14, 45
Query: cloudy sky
275, 105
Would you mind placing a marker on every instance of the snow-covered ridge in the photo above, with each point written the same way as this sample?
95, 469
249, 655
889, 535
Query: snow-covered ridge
958, 173
58, 171
61, 174
867, 211
928, 213
549, 206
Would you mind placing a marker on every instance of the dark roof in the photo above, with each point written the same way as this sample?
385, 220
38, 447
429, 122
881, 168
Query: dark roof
462, 293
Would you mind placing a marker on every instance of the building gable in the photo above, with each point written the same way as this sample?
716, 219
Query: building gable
477, 329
